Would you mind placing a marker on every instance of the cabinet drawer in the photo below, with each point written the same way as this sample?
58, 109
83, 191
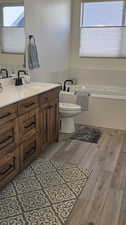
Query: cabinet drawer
47, 97
8, 113
7, 151
29, 150
28, 124
9, 167
8, 134
27, 105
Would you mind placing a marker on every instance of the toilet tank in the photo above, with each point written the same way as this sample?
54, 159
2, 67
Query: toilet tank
68, 97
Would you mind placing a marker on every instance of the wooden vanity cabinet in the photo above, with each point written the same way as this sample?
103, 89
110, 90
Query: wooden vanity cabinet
26, 128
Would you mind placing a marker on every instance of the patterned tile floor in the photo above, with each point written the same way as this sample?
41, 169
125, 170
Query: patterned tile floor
44, 193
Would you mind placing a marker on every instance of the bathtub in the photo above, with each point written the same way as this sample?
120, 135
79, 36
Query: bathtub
107, 107
108, 93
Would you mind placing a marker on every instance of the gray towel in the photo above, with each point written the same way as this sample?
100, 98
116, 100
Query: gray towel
33, 60
83, 100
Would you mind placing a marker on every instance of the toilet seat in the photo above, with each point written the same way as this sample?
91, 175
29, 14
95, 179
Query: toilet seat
69, 107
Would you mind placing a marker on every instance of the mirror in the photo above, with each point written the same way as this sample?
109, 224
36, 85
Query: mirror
12, 37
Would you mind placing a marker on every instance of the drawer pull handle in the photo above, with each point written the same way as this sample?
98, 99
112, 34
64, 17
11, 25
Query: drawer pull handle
29, 105
30, 125
6, 170
5, 140
5, 115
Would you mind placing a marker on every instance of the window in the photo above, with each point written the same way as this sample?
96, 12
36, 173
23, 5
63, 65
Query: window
13, 16
103, 28
12, 37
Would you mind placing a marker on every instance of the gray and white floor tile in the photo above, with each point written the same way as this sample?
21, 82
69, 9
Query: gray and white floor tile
33, 200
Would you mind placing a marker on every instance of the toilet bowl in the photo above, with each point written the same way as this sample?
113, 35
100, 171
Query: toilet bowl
67, 113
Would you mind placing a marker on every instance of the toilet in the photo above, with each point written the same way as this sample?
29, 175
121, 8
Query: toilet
67, 113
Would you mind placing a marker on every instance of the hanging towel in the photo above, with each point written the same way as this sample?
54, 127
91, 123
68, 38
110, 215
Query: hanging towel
33, 60
83, 100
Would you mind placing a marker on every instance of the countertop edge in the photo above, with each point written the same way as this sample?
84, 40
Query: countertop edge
31, 95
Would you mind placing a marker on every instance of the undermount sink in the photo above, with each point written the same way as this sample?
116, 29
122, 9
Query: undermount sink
35, 86
39, 86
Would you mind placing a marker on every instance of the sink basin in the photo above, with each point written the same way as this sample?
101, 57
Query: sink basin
37, 86
40, 87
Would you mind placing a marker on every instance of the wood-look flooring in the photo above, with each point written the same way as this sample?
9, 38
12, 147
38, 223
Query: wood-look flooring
103, 200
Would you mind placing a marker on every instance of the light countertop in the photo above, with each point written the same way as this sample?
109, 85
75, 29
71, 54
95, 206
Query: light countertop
13, 94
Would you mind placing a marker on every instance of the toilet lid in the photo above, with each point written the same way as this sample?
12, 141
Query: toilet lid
69, 106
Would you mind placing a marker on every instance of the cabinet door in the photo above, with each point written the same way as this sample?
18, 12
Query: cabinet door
53, 121
49, 123
9, 167
44, 127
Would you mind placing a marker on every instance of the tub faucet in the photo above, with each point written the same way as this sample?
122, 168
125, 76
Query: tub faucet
65, 82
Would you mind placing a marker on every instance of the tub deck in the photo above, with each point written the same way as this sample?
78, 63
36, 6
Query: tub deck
108, 93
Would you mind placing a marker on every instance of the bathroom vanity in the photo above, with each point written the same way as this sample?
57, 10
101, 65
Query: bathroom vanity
29, 121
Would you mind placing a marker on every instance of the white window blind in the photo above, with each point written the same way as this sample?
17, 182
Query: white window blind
13, 40
12, 35
103, 30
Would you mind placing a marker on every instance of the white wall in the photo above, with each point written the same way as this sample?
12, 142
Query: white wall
50, 22
99, 71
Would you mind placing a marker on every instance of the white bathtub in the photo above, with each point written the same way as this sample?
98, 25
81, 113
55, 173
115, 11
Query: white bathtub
107, 108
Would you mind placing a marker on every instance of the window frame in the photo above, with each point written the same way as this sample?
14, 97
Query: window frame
8, 4
82, 26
